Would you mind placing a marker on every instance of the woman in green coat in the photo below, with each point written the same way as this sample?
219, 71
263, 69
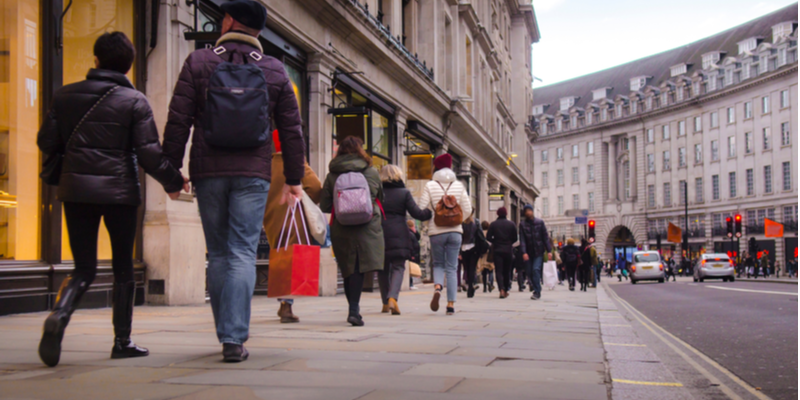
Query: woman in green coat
357, 248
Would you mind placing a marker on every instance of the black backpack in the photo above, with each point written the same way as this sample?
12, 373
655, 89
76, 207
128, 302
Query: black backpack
237, 103
571, 256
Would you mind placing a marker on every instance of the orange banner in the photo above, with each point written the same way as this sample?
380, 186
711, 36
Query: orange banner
674, 233
772, 228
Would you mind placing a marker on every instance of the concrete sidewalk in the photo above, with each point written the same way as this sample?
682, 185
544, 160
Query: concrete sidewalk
512, 348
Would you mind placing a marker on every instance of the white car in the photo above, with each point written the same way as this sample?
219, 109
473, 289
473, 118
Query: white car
647, 266
715, 266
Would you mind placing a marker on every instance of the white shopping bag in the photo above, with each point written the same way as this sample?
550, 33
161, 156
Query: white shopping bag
550, 275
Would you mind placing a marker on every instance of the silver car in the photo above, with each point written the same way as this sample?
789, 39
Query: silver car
714, 266
647, 266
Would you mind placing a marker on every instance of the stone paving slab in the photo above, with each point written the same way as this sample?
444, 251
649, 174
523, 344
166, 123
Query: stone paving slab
513, 348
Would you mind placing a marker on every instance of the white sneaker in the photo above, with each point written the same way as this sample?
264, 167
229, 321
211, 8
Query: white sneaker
413, 288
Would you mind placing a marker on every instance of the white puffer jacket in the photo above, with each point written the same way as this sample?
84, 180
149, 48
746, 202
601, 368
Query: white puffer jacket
433, 192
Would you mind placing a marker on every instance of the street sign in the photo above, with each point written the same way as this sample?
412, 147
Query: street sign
581, 220
576, 213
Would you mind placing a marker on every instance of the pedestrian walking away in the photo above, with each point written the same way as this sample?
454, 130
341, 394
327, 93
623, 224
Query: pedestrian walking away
232, 177
534, 242
571, 257
446, 196
473, 247
413, 237
588, 261
397, 202
93, 137
502, 235
358, 248
486, 263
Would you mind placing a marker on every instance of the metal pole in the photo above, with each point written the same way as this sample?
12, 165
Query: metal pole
686, 222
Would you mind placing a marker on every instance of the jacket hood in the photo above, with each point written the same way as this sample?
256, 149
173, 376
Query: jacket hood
444, 175
393, 185
348, 163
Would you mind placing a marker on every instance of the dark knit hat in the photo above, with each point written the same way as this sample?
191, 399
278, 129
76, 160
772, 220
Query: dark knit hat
502, 212
246, 12
443, 161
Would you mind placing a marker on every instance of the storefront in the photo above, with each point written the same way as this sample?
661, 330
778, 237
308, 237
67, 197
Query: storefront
35, 60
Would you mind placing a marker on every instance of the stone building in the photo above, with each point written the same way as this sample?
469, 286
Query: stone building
716, 118
414, 78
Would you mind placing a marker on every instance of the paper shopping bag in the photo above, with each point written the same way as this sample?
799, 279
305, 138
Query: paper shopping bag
414, 269
293, 269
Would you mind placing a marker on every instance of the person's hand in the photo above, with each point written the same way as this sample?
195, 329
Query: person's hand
291, 194
174, 196
525, 257
186, 187
459, 257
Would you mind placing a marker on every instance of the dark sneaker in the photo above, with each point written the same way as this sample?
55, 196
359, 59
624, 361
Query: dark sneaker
435, 301
355, 320
451, 310
232, 352
125, 348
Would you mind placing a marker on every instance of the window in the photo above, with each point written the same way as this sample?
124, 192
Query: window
574, 151
546, 207
560, 205
560, 177
750, 185
667, 195
732, 184
767, 139
731, 146
765, 104
544, 179
731, 115
714, 187
544, 155
698, 124
651, 135
748, 110
590, 148
651, 163
698, 153
681, 128
590, 173
682, 192
626, 170
665, 160
665, 132
651, 196
789, 214
787, 176
748, 143
767, 179
682, 157
784, 98
763, 63
575, 177
714, 150
626, 144
576, 201
591, 201
560, 153
714, 119
786, 134
604, 114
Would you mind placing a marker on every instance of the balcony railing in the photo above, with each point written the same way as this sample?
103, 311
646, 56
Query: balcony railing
754, 229
653, 234
719, 231
697, 232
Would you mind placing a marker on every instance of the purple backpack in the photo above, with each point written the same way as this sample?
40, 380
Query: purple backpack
352, 202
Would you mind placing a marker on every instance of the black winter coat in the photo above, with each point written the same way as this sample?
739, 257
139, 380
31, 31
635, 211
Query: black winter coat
502, 235
397, 201
100, 167
413, 238
533, 237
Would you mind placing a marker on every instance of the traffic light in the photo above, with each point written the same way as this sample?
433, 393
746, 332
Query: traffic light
738, 225
752, 246
729, 222
591, 230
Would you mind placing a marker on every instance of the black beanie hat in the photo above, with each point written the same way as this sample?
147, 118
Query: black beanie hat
246, 12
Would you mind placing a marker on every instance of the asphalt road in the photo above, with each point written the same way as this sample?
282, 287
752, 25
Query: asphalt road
749, 331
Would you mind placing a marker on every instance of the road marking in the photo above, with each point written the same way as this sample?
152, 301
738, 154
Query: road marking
626, 325
624, 344
724, 388
752, 291
673, 384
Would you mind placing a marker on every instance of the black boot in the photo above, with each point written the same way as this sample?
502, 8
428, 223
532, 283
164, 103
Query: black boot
69, 295
123, 317
471, 291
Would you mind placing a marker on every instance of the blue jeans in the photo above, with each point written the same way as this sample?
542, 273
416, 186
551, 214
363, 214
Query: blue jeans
444, 249
533, 267
232, 211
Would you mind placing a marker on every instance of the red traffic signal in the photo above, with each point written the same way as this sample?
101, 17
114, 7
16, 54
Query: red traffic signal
591, 230
729, 223
737, 229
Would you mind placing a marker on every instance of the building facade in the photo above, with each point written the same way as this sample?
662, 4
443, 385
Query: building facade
713, 123
413, 78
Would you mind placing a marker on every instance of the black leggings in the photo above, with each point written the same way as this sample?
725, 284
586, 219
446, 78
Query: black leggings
503, 268
469, 259
571, 274
584, 274
353, 286
83, 225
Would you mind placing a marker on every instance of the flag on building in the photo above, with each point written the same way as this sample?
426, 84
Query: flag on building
674, 233
772, 228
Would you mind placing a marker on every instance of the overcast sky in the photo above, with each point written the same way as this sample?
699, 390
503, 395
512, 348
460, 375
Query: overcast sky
584, 36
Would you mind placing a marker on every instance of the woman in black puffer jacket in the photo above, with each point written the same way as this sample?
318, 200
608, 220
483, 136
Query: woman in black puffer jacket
104, 128
397, 201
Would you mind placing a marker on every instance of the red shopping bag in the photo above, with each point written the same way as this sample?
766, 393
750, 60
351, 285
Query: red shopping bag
293, 269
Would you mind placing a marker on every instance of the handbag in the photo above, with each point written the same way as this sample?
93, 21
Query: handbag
52, 164
293, 270
414, 269
315, 220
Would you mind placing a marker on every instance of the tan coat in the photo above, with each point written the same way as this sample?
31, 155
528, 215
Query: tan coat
275, 212
483, 262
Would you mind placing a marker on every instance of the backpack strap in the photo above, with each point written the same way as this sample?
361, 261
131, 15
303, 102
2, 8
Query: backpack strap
445, 190
380, 205
220, 50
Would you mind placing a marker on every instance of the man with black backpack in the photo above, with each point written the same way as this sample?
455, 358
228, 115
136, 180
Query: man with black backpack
534, 242
229, 94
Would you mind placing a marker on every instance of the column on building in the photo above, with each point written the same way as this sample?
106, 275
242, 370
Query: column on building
483, 186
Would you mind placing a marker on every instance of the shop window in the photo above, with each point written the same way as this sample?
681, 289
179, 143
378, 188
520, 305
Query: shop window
354, 115
20, 114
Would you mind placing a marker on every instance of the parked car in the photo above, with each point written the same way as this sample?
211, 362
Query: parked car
647, 266
715, 266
